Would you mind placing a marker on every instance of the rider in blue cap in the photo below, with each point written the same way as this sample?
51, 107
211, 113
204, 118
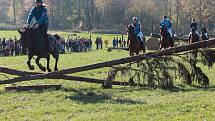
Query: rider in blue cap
167, 23
137, 31
39, 12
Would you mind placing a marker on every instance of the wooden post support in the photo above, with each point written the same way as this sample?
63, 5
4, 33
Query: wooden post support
33, 87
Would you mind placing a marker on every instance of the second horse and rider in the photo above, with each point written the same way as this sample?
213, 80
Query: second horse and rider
169, 39
40, 44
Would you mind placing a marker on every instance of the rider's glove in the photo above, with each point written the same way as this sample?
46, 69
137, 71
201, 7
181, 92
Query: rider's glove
27, 25
36, 26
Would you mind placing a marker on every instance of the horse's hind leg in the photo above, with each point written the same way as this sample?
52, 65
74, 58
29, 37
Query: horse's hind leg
48, 62
171, 42
138, 64
56, 63
56, 56
31, 67
161, 44
131, 53
40, 65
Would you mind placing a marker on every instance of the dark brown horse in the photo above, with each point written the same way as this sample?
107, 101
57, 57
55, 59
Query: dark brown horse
165, 39
134, 44
35, 43
203, 36
193, 37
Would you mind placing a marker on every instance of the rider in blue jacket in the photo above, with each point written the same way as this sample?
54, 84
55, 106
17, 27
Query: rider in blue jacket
137, 31
167, 23
137, 26
39, 12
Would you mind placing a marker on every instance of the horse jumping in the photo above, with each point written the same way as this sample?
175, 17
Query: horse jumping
35, 43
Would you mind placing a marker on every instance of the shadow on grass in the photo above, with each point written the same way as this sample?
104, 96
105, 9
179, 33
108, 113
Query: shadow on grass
86, 96
177, 88
89, 97
181, 88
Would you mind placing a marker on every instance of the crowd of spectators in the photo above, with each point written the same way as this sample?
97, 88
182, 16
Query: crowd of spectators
78, 44
116, 43
13, 47
119, 43
10, 47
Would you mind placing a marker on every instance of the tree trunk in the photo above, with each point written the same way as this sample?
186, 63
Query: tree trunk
14, 12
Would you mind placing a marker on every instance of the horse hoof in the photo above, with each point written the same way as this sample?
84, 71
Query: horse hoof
43, 69
49, 70
31, 68
56, 69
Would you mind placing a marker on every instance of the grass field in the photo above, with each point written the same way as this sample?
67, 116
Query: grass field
78, 101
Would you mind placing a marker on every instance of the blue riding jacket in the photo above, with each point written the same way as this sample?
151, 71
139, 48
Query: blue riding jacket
137, 28
166, 22
40, 14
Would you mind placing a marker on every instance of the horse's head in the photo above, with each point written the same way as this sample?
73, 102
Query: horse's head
163, 30
193, 36
130, 30
25, 36
134, 45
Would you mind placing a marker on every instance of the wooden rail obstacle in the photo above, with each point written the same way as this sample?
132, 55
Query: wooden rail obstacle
33, 87
28, 76
109, 49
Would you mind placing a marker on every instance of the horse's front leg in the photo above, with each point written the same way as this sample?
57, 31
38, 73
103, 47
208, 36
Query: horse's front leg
131, 53
48, 62
55, 55
31, 67
56, 63
40, 65
161, 43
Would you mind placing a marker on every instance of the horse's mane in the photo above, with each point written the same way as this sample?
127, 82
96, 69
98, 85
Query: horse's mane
57, 36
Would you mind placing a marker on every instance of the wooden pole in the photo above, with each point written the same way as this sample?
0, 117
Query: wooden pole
65, 77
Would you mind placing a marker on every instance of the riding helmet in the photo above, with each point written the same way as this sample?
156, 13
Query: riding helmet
39, 1
134, 18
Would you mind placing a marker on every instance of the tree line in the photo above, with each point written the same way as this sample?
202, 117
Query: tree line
113, 15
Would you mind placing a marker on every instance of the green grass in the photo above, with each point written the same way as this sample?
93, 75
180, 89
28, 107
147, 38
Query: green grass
8, 34
12, 34
78, 101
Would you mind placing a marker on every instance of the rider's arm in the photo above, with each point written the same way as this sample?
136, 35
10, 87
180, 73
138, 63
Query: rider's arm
170, 24
31, 15
191, 25
43, 18
162, 23
137, 28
